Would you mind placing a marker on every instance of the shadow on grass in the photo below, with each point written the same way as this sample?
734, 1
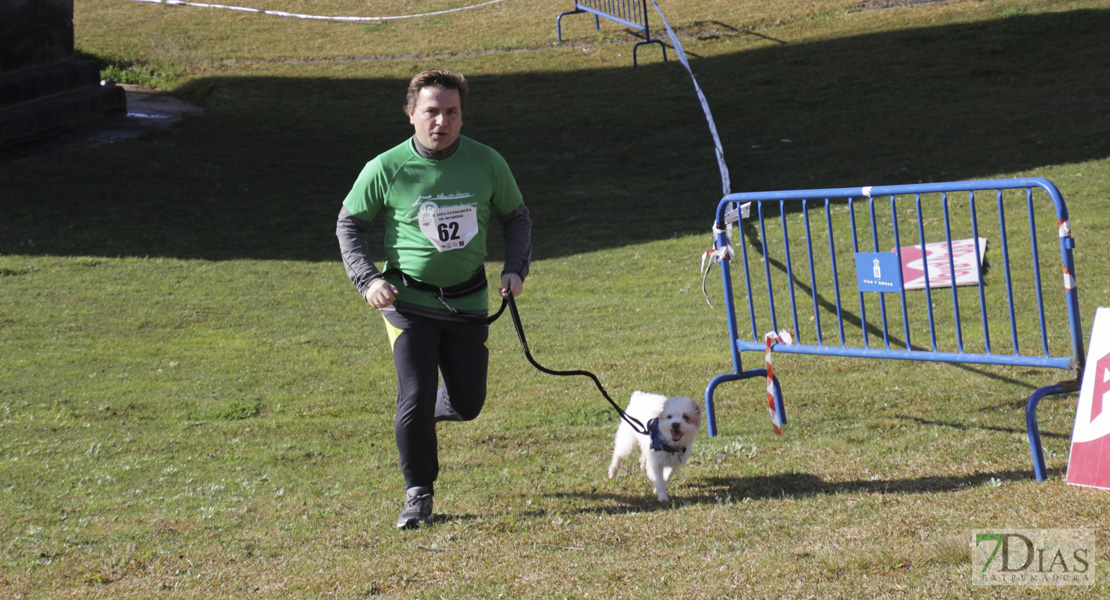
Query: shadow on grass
718, 490
966, 426
605, 158
804, 485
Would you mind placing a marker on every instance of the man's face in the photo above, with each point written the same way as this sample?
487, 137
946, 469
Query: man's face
437, 117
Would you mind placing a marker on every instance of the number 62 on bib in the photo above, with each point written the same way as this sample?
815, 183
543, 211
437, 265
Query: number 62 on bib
448, 227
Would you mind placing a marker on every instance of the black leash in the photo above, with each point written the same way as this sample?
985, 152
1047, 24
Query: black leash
508, 300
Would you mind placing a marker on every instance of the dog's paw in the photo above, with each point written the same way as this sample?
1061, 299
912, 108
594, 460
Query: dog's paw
661, 493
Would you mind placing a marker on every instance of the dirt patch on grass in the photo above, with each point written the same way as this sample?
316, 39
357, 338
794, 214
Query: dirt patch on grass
884, 4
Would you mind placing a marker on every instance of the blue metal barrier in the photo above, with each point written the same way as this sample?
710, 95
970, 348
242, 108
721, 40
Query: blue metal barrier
942, 322
632, 13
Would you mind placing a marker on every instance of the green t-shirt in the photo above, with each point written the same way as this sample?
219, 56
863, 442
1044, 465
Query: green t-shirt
436, 214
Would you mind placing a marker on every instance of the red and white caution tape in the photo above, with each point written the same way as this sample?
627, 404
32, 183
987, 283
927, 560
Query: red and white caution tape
715, 256
281, 13
1063, 228
718, 253
783, 337
710, 258
1069, 279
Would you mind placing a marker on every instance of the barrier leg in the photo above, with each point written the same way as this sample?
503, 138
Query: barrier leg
710, 411
636, 48
559, 23
1034, 432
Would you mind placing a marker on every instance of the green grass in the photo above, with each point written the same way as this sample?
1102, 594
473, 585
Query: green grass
194, 403
160, 75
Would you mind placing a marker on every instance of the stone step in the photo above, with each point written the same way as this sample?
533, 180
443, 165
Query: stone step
47, 80
59, 111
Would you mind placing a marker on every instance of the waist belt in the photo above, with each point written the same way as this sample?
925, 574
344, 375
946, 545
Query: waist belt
475, 283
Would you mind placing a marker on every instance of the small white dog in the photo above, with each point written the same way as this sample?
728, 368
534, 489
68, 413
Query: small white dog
676, 421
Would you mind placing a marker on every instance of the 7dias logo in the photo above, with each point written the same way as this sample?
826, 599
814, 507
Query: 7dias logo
1033, 557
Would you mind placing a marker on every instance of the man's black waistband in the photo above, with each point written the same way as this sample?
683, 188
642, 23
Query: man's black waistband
475, 283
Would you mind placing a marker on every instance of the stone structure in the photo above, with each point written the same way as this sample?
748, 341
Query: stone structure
42, 86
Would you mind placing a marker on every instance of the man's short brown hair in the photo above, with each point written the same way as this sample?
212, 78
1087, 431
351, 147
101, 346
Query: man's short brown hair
437, 78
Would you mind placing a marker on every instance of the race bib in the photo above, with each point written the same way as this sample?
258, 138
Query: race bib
448, 227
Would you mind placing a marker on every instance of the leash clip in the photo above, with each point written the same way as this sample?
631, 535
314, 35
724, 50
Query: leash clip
439, 296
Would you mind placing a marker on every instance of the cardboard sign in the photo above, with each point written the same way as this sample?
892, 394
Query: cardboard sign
940, 271
1089, 460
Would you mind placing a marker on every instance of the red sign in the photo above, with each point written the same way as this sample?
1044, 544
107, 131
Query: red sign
1101, 386
943, 266
1089, 462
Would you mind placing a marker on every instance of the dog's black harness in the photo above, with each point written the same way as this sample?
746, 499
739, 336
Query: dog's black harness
657, 441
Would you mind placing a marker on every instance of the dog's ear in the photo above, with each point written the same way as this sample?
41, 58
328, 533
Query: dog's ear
696, 417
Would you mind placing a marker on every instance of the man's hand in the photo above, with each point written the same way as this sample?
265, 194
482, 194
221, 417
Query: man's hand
511, 282
381, 293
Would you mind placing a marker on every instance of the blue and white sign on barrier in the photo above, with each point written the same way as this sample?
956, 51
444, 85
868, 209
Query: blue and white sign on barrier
878, 272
